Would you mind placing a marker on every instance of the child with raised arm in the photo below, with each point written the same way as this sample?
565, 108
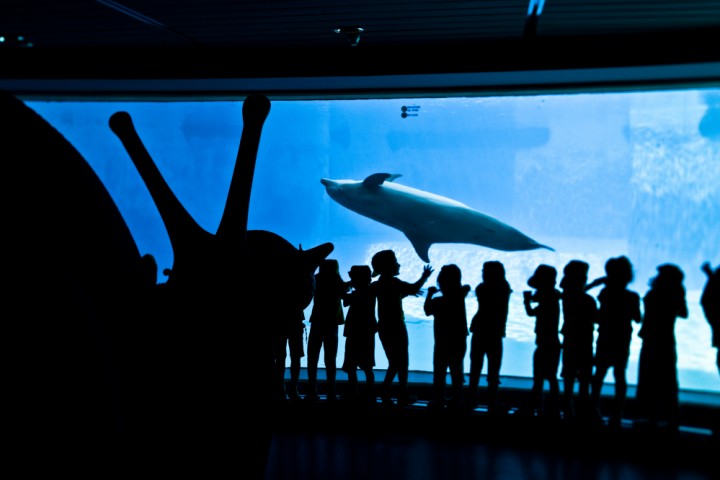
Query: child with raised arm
390, 292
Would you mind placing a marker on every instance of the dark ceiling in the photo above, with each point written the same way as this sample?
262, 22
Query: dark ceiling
174, 39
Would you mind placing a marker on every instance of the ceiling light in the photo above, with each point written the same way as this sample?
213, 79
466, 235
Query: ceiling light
535, 7
352, 33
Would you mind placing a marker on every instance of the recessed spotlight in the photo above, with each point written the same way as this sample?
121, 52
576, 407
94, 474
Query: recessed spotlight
352, 33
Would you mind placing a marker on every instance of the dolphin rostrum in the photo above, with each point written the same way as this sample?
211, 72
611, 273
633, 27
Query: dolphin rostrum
425, 218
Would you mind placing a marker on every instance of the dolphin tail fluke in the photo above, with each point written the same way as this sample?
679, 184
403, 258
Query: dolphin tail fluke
545, 247
421, 247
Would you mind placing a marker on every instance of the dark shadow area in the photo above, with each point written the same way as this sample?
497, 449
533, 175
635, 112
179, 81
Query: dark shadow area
349, 440
110, 372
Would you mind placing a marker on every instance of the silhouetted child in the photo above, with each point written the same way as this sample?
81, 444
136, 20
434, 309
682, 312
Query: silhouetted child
390, 292
546, 358
710, 302
359, 331
327, 314
291, 330
657, 384
579, 311
619, 308
488, 330
450, 332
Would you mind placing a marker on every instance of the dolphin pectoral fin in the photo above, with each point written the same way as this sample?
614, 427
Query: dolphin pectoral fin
421, 247
377, 179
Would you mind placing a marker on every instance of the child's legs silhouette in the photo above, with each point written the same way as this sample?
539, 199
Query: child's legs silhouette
314, 347
493, 375
620, 396
331, 346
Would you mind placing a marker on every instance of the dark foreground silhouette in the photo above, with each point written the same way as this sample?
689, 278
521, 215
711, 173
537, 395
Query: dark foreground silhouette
107, 376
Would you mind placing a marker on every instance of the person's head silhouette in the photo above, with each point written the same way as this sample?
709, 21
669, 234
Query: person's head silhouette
384, 263
449, 278
493, 271
575, 275
329, 266
360, 275
544, 277
669, 277
619, 271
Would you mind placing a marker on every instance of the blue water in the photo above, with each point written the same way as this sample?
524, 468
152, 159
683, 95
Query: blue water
591, 175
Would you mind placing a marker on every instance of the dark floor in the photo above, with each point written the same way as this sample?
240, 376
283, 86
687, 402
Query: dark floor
346, 440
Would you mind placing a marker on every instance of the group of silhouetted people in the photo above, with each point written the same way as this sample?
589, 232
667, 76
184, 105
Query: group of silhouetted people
363, 297
578, 338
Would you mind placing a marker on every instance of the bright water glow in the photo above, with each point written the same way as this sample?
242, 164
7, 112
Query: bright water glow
592, 175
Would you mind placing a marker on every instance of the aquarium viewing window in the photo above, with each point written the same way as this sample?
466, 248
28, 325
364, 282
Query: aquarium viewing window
591, 175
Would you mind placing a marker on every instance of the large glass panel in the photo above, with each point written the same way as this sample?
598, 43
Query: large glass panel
591, 175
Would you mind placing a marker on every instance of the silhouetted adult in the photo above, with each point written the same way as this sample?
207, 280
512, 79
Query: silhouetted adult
544, 305
450, 331
359, 331
327, 314
619, 308
390, 292
488, 330
710, 302
657, 384
579, 311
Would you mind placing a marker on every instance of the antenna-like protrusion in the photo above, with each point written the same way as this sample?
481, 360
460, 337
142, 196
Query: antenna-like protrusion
180, 225
233, 224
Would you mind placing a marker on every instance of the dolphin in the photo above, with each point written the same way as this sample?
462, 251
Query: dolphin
425, 218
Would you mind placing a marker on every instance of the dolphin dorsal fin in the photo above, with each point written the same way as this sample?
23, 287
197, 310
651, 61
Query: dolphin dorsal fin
377, 179
421, 246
